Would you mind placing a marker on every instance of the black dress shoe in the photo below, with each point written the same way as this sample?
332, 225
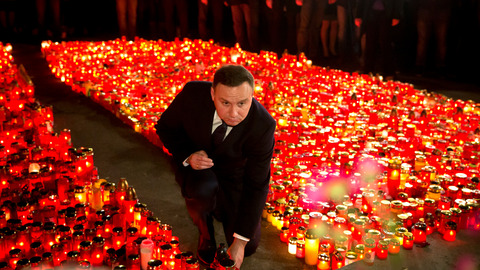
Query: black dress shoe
206, 250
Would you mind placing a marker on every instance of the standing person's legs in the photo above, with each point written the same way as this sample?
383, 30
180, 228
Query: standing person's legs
40, 5
150, 22
371, 41
293, 21
252, 23
333, 37
122, 17
217, 11
305, 21
202, 20
275, 26
386, 48
423, 31
238, 18
362, 40
132, 18
315, 28
4, 16
325, 37
441, 28
3, 19
182, 11
342, 30
168, 8
57, 23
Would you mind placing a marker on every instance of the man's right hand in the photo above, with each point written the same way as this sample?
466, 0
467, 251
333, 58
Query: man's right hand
200, 161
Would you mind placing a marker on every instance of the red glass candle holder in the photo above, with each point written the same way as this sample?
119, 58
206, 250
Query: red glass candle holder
382, 250
450, 231
23, 210
23, 239
393, 246
152, 227
156, 264
323, 262
300, 250
118, 237
408, 240
77, 238
420, 233
166, 232
166, 254
36, 263
445, 216
85, 250
59, 254
14, 255
131, 234
97, 253
338, 260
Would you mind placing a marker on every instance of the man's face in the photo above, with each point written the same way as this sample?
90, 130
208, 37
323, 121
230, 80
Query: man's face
232, 103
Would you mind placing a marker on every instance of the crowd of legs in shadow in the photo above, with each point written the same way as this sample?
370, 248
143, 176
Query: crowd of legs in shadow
418, 37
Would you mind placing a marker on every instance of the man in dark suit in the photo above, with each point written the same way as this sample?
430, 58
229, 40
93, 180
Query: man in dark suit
227, 179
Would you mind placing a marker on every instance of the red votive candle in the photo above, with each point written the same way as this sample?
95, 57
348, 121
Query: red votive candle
284, 234
300, 252
166, 232
118, 237
419, 233
14, 255
394, 246
450, 232
382, 249
23, 239
77, 238
323, 262
408, 240
85, 249
97, 253
152, 227
338, 260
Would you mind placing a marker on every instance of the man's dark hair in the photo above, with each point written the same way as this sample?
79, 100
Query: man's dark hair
233, 75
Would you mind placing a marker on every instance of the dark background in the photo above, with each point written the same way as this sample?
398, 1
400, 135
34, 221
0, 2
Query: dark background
89, 19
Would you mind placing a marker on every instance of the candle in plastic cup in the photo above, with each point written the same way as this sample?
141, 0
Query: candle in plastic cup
146, 251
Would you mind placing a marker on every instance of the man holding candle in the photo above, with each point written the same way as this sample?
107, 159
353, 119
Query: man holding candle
225, 175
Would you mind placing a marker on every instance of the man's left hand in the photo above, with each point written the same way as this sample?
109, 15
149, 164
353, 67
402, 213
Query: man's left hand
237, 251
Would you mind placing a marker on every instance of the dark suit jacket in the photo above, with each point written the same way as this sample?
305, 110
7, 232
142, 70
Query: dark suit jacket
242, 161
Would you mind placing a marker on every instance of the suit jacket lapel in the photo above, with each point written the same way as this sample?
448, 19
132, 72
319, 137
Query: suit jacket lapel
205, 126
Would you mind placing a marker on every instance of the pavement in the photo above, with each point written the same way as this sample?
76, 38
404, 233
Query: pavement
121, 152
